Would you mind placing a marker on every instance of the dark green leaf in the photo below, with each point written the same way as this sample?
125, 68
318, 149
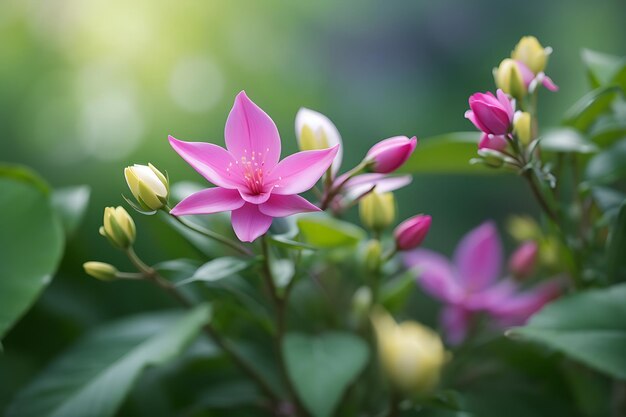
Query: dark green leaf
616, 248
449, 153
607, 130
326, 232
589, 327
608, 199
607, 166
31, 238
602, 68
93, 378
70, 204
566, 140
322, 367
586, 110
218, 269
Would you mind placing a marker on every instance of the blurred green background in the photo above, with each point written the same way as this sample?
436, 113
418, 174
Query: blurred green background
89, 87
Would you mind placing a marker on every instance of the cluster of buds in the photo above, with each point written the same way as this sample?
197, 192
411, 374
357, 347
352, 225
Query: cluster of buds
508, 135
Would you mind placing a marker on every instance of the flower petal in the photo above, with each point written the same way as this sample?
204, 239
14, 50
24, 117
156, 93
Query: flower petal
383, 182
478, 257
250, 132
249, 223
455, 322
519, 307
211, 200
300, 171
212, 162
286, 205
434, 274
493, 296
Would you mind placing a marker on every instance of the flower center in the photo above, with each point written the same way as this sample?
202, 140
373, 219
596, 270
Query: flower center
251, 166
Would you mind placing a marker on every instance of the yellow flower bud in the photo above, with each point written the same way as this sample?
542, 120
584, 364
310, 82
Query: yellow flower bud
531, 53
412, 355
522, 127
118, 227
377, 210
372, 255
100, 270
523, 228
148, 185
316, 131
509, 79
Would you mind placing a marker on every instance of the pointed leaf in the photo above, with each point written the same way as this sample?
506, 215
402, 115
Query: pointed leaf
70, 204
326, 232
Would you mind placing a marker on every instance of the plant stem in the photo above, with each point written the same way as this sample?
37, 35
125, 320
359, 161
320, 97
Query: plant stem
211, 234
394, 409
332, 190
539, 196
153, 276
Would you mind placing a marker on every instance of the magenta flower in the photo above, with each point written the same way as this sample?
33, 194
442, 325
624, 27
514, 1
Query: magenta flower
469, 284
495, 142
250, 181
530, 78
411, 233
389, 154
493, 115
382, 183
522, 262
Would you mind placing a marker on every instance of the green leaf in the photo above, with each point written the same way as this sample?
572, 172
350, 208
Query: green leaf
322, 367
394, 293
607, 166
616, 248
607, 130
603, 69
589, 327
283, 271
449, 153
566, 140
586, 110
31, 239
325, 232
218, 269
285, 242
93, 378
608, 199
71, 203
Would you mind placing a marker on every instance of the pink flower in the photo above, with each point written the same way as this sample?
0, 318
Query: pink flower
389, 154
469, 284
411, 233
495, 142
529, 78
250, 181
522, 261
383, 183
490, 114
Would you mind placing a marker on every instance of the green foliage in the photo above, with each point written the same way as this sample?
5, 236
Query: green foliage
616, 248
93, 378
71, 204
218, 269
586, 110
607, 166
604, 69
31, 242
322, 367
589, 327
325, 232
566, 140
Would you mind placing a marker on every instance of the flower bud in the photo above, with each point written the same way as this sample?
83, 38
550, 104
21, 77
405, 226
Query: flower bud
411, 233
372, 255
315, 131
522, 127
523, 228
389, 154
491, 114
509, 79
148, 185
494, 142
118, 227
361, 302
522, 262
100, 270
412, 355
377, 210
530, 52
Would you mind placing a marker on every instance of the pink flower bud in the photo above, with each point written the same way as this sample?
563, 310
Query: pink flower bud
411, 233
494, 142
522, 261
490, 114
389, 154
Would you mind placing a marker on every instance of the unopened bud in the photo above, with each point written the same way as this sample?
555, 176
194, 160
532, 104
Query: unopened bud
522, 127
377, 210
100, 270
372, 255
148, 185
522, 262
315, 131
118, 227
361, 302
509, 79
523, 228
411, 233
531, 53
390, 154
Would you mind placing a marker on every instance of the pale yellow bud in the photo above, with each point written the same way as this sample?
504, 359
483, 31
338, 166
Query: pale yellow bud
315, 131
523, 228
148, 185
508, 78
373, 252
118, 227
531, 53
100, 270
361, 302
522, 127
412, 355
377, 210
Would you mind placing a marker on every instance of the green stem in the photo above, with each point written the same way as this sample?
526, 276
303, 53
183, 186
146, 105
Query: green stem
332, 191
150, 274
539, 196
211, 234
